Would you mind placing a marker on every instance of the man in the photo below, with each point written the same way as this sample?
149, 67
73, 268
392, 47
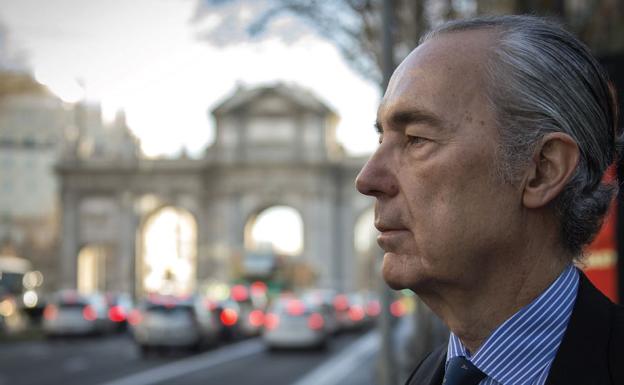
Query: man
494, 135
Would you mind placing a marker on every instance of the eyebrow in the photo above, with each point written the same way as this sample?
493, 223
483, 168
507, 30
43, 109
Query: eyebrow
402, 118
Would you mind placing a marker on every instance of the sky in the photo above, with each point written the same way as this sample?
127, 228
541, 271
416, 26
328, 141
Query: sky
143, 56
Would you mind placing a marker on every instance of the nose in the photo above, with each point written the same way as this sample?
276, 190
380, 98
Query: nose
376, 177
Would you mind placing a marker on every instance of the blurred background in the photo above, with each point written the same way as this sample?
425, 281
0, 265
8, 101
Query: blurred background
177, 199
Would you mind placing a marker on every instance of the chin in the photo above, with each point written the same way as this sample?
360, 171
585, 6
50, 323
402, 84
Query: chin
396, 274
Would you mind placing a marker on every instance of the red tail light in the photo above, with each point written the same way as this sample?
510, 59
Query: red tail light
50, 312
295, 307
258, 288
135, 317
256, 318
356, 313
316, 321
397, 308
373, 308
271, 321
239, 293
341, 303
88, 313
116, 314
229, 317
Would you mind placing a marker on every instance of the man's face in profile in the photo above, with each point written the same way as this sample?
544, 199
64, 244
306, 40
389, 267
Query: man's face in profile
443, 212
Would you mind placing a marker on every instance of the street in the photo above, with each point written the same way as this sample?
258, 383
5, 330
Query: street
116, 361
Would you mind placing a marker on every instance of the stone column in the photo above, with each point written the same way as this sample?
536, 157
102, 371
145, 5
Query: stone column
346, 258
126, 258
70, 240
318, 228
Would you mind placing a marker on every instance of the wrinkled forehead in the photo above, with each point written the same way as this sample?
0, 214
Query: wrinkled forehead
447, 67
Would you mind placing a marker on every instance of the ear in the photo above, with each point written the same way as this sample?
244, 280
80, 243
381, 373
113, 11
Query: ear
554, 162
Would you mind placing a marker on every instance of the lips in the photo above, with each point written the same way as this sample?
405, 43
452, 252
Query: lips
385, 227
390, 237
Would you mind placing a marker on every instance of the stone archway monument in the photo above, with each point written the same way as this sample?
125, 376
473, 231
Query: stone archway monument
274, 145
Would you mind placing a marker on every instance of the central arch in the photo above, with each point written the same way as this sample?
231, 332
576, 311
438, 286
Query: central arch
277, 228
168, 258
274, 247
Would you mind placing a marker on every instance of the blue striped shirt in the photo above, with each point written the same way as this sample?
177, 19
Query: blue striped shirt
521, 350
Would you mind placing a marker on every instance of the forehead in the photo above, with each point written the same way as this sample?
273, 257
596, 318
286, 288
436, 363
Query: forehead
442, 75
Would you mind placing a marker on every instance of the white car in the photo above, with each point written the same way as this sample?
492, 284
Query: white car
293, 323
70, 313
170, 322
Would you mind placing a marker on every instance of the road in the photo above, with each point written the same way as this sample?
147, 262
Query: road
116, 361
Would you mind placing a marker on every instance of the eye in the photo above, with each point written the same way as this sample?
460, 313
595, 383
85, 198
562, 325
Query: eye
411, 139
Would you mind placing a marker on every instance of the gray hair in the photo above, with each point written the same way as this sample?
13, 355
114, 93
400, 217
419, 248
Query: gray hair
541, 79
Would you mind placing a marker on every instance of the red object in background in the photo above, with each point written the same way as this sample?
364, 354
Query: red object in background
356, 313
295, 307
258, 288
50, 312
116, 314
600, 263
397, 308
341, 302
229, 317
271, 321
88, 313
239, 293
135, 317
256, 318
373, 308
316, 321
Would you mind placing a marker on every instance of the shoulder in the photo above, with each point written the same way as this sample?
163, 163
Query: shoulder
431, 368
596, 327
616, 345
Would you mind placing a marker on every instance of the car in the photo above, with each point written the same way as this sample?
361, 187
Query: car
71, 313
324, 298
342, 309
250, 310
291, 322
171, 322
358, 311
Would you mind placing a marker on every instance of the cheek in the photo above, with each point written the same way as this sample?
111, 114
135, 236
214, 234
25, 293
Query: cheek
450, 197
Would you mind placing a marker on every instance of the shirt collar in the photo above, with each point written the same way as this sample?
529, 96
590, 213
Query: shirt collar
524, 345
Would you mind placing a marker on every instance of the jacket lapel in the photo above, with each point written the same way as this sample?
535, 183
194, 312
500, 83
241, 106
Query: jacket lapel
431, 369
582, 357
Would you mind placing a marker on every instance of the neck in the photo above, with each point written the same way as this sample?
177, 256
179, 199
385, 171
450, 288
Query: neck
473, 311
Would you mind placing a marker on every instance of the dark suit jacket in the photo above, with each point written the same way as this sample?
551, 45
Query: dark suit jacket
591, 352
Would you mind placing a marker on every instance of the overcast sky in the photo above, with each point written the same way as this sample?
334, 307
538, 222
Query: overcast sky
142, 56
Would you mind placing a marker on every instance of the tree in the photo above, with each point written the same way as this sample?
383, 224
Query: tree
355, 26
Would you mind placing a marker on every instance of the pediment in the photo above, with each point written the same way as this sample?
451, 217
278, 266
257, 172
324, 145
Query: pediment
277, 99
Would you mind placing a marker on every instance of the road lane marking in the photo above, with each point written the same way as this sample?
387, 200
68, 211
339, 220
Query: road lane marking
339, 366
185, 366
